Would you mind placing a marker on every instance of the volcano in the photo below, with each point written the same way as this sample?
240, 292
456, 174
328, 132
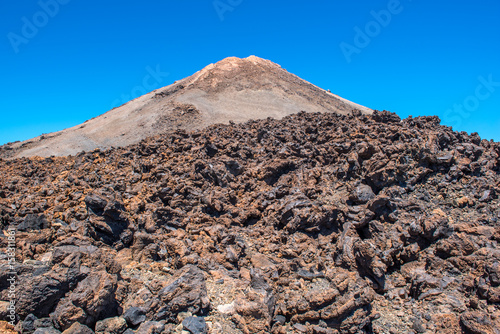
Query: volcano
233, 89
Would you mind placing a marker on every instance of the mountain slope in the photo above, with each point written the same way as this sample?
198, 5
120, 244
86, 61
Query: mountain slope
233, 89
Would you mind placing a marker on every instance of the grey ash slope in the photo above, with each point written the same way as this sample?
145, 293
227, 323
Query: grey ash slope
233, 89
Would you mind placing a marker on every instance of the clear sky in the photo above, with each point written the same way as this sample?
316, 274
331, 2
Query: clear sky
65, 61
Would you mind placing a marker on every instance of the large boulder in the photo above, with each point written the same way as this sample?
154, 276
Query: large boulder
187, 292
115, 325
92, 300
41, 291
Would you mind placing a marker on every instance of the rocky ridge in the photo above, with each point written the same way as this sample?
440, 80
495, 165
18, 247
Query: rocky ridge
316, 223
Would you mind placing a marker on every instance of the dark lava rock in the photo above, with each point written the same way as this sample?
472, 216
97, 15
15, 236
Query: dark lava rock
195, 325
96, 203
28, 324
279, 319
476, 322
91, 300
43, 322
186, 293
41, 292
134, 316
386, 117
362, 194
308, 275
47, 330
33, 222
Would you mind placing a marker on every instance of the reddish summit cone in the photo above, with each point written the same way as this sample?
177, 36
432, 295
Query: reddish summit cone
233, 89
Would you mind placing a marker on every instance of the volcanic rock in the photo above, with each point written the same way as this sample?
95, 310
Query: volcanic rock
115, 325
195, 325
46, 330
134, 316
77, 328
314, 223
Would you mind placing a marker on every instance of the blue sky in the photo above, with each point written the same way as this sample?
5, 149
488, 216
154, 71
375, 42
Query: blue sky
65, 61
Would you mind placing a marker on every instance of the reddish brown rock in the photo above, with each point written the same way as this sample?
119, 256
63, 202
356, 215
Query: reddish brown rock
315, 223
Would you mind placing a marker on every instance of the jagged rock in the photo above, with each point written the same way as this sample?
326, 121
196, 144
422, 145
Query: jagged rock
150, 327
308, 275
33, 222
134, 316
370, 263
477, 322
386, 117
316, 222
27, 325
256, 308
43, 288
115, 325
195, 325
362, 194
43, 322
46, 330
91, 300
77, 328
96, 203
186, 293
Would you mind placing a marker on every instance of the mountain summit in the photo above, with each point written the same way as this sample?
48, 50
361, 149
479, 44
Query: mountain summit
233, 89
